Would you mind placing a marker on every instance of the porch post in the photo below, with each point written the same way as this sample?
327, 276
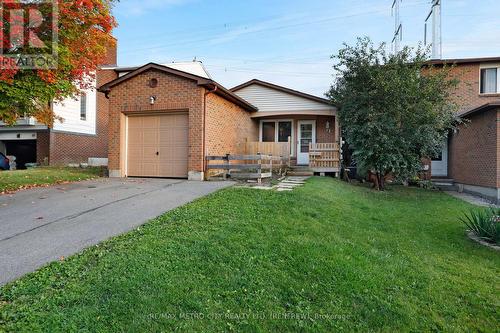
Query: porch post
337, 129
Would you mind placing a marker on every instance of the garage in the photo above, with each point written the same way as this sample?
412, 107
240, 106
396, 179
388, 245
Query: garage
23, 150
157, 145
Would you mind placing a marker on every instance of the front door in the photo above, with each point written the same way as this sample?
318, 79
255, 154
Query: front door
306, 135
439, 165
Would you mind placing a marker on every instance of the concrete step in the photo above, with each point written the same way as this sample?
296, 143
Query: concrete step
300, 173
444, 184
300, 167
442, 180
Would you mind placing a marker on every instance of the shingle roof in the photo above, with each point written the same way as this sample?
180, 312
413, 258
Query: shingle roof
484, 107
462, 60
191, 67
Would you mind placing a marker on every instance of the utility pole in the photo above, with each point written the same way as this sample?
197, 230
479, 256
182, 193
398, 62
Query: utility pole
437, 45
398, 26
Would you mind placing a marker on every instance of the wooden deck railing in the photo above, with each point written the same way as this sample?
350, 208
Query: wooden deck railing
324, 157
256, 166
282, 149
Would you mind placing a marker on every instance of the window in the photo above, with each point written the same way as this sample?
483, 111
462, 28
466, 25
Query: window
276, 131
284, 131
489, 81
83, 106
268, 132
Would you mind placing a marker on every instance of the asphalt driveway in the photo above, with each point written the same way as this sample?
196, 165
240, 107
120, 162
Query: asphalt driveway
42, 225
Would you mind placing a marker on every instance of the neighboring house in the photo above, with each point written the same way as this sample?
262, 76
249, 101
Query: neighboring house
166, 119
471, 157
81, 135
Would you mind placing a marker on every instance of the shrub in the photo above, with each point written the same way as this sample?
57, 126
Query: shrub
484, 223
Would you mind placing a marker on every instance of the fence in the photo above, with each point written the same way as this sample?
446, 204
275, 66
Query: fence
256, 166
324, 157
271, 148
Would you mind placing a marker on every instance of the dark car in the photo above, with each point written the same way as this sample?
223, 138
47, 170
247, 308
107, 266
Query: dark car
4, 162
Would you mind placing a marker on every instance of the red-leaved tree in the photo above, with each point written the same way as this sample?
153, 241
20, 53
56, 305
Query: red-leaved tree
83, 29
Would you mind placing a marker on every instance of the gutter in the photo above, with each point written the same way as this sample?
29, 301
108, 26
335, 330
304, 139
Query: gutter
204, 168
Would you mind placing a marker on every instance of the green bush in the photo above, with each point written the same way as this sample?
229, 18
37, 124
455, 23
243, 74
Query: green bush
484, 223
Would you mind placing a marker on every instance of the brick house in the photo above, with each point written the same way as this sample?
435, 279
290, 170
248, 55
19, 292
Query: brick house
471, 157
82, 134
164, 120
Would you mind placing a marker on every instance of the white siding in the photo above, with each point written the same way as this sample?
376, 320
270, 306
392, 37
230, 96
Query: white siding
272, 100
69, 110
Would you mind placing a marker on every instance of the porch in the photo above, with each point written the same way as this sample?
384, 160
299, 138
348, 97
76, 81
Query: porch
310, 142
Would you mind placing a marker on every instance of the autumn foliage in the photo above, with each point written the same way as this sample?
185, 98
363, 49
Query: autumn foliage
83, 29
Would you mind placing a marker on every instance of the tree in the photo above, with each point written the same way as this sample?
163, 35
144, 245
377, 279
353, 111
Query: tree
84, 33
394, 109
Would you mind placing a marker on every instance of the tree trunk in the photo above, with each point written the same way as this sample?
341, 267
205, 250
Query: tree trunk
379, 185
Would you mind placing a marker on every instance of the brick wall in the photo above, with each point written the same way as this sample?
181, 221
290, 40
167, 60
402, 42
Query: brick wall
322, 134
473, 151
228, 127
467, 95
42, 147
172, 93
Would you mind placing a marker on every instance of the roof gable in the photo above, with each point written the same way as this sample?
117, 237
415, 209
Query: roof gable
272, 98
200, 81
106, 87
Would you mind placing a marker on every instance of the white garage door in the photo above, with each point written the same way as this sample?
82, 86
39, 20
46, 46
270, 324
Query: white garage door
158, 146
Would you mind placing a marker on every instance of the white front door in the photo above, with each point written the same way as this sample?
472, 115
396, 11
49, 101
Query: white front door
439, 165
306, 135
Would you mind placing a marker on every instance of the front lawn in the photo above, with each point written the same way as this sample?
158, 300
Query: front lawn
327, 257
19, 179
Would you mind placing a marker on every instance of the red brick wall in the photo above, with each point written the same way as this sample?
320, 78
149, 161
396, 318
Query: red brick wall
467, 95
42, 147
111, 55
228, 127
498, 147
473, 151
172, 93
322, 134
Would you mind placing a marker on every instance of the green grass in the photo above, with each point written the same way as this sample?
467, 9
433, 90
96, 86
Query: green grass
327, 257
19, 179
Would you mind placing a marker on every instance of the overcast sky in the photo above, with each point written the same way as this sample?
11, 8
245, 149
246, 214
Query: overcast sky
289, 42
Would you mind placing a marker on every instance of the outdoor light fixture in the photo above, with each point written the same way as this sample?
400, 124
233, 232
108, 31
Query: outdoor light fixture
327, 126
152, 100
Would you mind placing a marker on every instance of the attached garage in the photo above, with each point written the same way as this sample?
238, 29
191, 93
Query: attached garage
163, 122
157, 145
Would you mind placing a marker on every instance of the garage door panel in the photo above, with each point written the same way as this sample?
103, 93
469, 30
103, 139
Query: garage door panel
149, 122
150, 169
165, 134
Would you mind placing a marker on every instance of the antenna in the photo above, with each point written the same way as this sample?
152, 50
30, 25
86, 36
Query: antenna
398, 26
437, 45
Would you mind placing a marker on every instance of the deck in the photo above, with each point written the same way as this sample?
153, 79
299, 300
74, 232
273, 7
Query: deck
324, 157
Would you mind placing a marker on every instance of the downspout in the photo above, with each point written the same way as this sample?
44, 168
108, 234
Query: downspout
204, 126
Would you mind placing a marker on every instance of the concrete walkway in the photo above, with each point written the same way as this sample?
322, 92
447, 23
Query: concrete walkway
41, 225
473, 199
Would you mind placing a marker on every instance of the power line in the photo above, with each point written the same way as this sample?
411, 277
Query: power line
248, 70
325, 20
